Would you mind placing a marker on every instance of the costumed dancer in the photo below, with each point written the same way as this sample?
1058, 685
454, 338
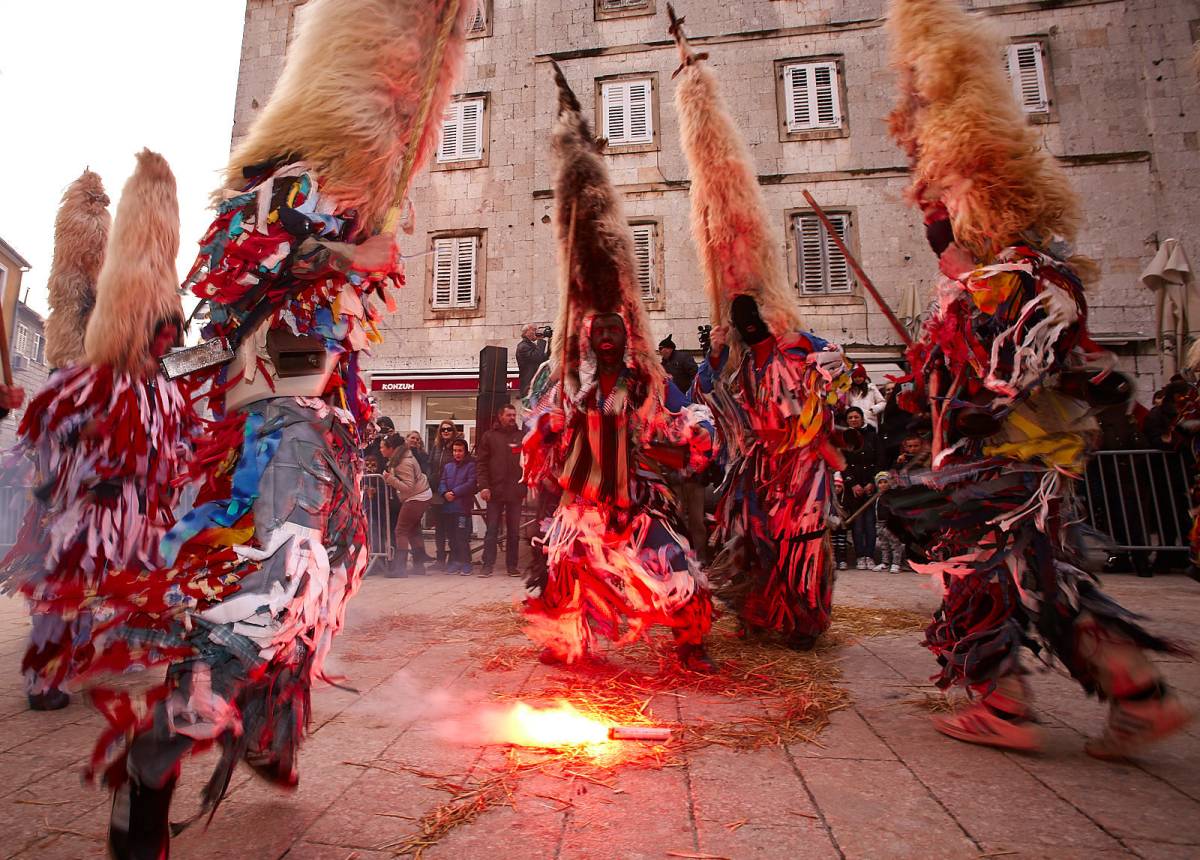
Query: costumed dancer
616, 559
1007, 370
80, 235
772, 386
302, 248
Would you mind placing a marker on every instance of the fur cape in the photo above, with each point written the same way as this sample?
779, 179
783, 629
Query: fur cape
730, 226
967, 139
598, 271
349, 101
80, 234
137, 289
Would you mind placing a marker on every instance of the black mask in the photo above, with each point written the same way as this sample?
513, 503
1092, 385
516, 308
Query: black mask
747, 320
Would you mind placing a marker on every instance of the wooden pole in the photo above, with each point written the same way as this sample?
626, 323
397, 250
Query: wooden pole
858, 271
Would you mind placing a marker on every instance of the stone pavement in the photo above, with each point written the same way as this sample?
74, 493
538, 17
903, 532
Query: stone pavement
880, 782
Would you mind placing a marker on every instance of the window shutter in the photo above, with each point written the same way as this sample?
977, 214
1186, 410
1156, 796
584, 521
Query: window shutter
835, 261
448, 148
628, 118
644, 252
614, 96
471, 138
443, 272
825, 95
640, 125
1026, 69
21, 341
796, 95
464, 272
823, 267
811, 97
479, 22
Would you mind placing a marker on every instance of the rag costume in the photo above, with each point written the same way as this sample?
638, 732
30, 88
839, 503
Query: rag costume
107, 434
1011, 377
773, 388
616, 561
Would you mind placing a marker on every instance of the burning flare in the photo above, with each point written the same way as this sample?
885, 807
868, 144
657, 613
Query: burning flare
560, 726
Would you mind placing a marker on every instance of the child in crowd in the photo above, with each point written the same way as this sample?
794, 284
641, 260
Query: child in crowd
457, 488
837, 531
887, 544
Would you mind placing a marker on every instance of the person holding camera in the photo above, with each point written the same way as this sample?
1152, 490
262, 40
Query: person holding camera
532, 352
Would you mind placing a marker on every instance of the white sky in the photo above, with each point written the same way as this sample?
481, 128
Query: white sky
88, 84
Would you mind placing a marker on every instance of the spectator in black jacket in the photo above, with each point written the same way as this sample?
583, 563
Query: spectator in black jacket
679, 366
532, 351
499, 477
859, 477
439, 456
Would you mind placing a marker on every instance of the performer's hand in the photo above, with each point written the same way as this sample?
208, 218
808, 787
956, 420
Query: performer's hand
486, 495
377, 254
11, 396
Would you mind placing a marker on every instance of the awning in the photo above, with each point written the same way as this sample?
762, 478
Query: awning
464, 380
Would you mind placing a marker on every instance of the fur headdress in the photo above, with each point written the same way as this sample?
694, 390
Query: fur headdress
360, 99
730, 227
137, 289
80, 233
966, 137
599, 274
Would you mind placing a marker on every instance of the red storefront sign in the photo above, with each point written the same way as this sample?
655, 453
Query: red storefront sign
394, 383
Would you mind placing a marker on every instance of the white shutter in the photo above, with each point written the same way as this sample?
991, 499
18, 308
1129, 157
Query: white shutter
1026, 68
811, 97
627, 114
479, 22
462, 131
645, 249
448, 147
21, 341
823, 267
443, 272
464, 272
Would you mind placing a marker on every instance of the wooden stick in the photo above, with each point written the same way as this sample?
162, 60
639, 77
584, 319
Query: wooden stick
858, 271
4, 357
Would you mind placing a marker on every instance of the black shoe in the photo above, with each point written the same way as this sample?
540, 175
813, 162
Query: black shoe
276, 771
695, 658
514, 573
399, 566
139, 827
801, 642
53, 699
487, 571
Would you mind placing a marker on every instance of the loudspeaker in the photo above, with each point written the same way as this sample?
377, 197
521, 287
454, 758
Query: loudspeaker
487, 404
493, 369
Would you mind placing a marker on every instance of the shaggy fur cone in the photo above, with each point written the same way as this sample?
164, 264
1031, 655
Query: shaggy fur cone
80, 234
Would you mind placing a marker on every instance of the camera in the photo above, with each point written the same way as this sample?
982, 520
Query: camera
546, 332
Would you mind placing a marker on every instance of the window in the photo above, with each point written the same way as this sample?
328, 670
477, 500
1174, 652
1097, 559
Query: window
21, 340
455, 265
822, 267
627, 117
623, 8
1025, 64
645, 253
480, 25
462, 131
35, 352
811, 96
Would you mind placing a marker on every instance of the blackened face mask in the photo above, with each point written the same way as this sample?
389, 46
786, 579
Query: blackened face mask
747, 320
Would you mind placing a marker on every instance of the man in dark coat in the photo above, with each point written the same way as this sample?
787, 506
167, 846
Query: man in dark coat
679, 366
500, 486
532, 352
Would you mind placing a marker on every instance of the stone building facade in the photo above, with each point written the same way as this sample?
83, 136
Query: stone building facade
1109, 84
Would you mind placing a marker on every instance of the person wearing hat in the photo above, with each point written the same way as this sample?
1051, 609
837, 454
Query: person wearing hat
888, 545
678, 365
866, 395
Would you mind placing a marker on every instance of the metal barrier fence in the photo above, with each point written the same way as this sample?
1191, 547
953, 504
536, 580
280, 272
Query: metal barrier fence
377, 499
1140, 498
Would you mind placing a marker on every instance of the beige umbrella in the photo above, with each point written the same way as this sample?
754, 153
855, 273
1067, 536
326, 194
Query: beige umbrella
1170, 276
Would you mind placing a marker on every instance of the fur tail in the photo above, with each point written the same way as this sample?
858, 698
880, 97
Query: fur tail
80, 234
137, 289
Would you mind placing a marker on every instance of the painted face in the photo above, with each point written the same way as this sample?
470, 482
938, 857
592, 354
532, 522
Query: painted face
747, 320
854, 420
607, 338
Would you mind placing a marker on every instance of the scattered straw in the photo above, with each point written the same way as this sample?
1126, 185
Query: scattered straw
936, 703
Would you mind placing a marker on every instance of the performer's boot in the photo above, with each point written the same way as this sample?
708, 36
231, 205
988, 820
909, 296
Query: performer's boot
801, 641
139, 827
53, 699
1142, 708
693, 656
1002, 718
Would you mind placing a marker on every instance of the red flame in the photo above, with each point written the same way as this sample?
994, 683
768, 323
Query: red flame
560, 726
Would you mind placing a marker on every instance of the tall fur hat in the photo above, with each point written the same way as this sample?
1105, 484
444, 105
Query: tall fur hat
80, 234
967, 139
355, 85
730, 227
599, 274
137, 289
